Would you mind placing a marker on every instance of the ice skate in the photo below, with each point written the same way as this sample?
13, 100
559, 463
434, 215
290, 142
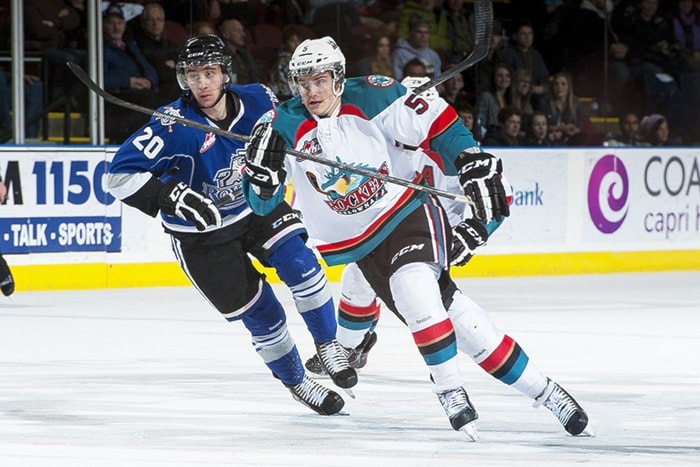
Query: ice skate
7, 282
564, 407
317, 397
460, 411
334, 361
357, 357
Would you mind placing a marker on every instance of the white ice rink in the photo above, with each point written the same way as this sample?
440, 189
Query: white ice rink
140, 377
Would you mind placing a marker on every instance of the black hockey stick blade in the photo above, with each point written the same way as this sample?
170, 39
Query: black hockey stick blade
85, 79
483, 19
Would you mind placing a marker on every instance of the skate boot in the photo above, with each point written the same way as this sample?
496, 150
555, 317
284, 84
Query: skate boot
564, 407
357, 357
460, 411
7, 282
316, 397
334, 360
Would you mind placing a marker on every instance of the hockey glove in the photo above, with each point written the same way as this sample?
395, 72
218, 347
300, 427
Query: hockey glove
265, 160
467, 236
178, 199
480, 177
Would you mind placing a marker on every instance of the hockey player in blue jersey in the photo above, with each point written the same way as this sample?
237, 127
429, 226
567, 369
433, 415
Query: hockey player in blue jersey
193, 179
399, 238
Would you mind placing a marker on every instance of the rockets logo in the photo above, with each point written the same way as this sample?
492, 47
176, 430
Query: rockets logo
347, 192
228, 183
378, 81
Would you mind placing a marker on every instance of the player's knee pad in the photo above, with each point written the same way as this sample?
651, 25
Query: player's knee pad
416, 294
477, 335
354, 288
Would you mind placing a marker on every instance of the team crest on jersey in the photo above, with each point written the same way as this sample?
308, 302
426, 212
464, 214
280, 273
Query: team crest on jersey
348, 192
209, 141
165, 121
228, 183
379, 81
267, 117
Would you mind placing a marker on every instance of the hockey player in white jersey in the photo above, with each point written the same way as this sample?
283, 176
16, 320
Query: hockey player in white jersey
182, 172
398, 237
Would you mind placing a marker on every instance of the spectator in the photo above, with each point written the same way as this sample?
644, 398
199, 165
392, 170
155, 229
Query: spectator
46, 24
158, 50
281, 13
127, 74
453, 89
522, 55
506, 133
242, 10
415, 68
33, 101
459, 31
415, 45
435, 17
465, 111
538, 133
279, 81
521, 97
628, 135
655, 130
479, 76
245, 69
686, 30
563, 110
489, 103
203, 28
378, 62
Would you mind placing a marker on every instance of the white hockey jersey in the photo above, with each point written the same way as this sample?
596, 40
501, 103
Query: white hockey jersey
377, 126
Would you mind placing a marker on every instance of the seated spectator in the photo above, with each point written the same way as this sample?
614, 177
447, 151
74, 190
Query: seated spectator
459, 32
563, 110
279, 81
538, 133
521, 54
489, 103
415, 45
415, 68
127, 74
465, 111
686, 30
655, 131
521, 97
453, 89
158, 50
203, 28
378, 62
437, 23
245, 70
33, 102
507, 131
628, 135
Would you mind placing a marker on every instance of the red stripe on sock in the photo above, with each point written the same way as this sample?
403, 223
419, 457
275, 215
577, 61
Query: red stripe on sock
433, 333
494, 361
359, 311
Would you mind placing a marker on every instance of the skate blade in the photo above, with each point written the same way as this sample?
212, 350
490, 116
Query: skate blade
349, 392
470, 430
588, 432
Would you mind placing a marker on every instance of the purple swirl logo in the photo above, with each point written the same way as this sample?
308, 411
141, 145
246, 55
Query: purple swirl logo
608, 189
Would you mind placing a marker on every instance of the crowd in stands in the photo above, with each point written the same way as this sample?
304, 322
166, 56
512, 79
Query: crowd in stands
639, 60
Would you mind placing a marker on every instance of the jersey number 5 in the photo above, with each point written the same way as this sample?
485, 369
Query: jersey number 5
416, 103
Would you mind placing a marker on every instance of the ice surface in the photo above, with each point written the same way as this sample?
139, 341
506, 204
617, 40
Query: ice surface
137, 377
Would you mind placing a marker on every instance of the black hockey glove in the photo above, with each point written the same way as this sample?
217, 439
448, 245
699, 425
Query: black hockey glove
467, 236
265, 160
480, 177
178, 199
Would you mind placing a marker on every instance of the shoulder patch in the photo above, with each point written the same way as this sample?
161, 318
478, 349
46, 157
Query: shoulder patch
379, 81
267, 117
168, 110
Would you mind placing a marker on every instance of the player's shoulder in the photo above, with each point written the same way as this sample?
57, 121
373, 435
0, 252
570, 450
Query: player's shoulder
373, 85
254, 92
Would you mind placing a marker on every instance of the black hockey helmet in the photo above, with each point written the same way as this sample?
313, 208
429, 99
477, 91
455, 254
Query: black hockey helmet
203, 50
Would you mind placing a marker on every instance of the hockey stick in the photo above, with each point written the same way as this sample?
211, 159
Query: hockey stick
85, 79
483, 18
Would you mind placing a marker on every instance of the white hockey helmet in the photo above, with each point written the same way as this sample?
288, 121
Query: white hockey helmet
316, 56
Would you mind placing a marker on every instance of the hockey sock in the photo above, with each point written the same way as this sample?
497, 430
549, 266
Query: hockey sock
355, 321
298, 267
267, 324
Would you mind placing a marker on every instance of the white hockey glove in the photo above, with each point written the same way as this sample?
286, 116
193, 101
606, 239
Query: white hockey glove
467, 236
265, 160
178, 199
480, 177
